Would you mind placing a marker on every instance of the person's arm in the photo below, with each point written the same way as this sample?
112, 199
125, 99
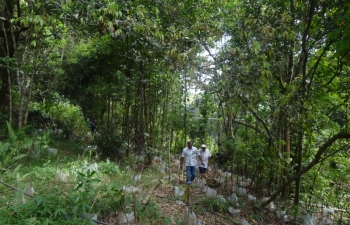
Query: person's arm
201, 159
208, 161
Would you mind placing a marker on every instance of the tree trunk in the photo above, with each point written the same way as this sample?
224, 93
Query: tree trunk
5, 97
32, 79
141, 122
23, 82
286, 152
299, 151
109, 108
8, 37
321, 150
185, 109
127, 122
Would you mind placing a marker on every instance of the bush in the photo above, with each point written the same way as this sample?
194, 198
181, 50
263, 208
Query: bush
63, 115
109, 143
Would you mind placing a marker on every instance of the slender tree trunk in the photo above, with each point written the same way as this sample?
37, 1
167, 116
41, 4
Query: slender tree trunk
141, 122
32, 78
126, 125
112, 108
6, 51
185, 108
127, 122
136, 121
6, 74
22, 80
164, 117
299, 156
153, 115
286, 152
109, 108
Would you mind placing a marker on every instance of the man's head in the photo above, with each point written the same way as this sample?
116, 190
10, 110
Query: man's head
203, 146
189, 144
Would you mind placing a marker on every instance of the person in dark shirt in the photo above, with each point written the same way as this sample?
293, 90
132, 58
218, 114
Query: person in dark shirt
93, 124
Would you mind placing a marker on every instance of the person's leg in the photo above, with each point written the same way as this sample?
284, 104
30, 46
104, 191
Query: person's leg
201, 172
188, 174
93, 128
193, 173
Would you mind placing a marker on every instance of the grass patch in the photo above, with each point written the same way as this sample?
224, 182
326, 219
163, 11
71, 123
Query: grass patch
68, 186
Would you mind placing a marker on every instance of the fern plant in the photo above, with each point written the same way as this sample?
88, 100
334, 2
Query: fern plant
9, 152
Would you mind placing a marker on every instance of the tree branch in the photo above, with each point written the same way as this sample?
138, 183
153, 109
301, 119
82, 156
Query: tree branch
258, 117
316, 160
248, 125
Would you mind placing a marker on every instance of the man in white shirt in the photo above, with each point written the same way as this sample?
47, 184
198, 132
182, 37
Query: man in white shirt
204, 163
190, 155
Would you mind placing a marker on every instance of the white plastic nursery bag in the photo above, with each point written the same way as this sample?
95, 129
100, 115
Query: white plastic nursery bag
190, 217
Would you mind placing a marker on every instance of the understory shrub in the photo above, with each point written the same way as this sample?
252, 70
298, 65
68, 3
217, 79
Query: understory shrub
110, 143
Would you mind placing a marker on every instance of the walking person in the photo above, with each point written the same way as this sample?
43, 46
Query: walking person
190, 154
88, 123
93, 125
204, 163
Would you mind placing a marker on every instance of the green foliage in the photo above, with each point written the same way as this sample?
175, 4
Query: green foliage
65, 115
212, 204
267, 104
108, 167
342, 32
86, 180
279, 83
199, 129
15, 147
53, 208
151, 213
60, 203
109, 142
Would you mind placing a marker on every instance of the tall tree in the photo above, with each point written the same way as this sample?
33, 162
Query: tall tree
26, 31
274, 65
9, 35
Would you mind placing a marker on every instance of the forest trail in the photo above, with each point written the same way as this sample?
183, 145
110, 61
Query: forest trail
217, 206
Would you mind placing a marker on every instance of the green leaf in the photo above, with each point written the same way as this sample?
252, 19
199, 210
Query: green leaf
21, 156
81, 174
33, 43
256, 46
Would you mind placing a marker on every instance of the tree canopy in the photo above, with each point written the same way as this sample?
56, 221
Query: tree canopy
266, 83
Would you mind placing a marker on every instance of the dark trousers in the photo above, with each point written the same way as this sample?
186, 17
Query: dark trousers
202, 170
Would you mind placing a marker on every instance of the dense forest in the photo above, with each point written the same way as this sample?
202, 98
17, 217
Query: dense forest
264, 84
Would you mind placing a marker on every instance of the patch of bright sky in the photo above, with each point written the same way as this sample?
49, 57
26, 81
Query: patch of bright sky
204, 77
